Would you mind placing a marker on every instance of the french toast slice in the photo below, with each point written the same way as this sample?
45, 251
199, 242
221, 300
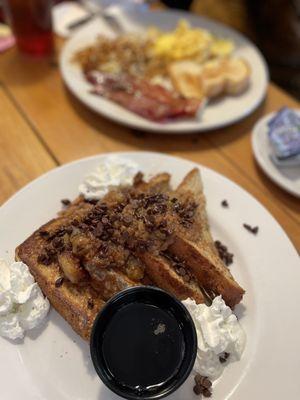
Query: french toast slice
192, 184
77, 304
157, 267
200, 252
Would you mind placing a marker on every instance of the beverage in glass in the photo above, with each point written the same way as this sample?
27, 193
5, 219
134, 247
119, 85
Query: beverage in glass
31, 23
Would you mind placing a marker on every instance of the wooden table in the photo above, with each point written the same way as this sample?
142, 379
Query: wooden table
42, 125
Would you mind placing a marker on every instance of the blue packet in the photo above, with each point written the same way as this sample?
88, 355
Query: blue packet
289, 162
284, 133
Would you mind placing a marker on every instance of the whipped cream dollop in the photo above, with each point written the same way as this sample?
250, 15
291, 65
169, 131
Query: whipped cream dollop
218, 332
22, 304
113, 171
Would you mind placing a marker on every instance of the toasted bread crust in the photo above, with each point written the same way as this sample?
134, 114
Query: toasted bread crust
162, 274
200, 254
209, 271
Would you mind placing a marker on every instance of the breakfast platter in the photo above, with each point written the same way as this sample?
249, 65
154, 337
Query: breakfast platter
253, 256
178, 72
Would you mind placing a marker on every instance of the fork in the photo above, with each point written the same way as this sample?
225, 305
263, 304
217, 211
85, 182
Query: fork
95, 11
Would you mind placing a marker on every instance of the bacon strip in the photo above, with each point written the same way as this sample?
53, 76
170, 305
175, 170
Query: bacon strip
153, 102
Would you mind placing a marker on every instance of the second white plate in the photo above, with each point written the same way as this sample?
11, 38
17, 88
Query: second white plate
218, 113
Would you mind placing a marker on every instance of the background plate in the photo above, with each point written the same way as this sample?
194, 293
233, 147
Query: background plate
218, 113
54, 363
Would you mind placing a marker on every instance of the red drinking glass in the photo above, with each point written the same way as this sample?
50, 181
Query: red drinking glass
31, 23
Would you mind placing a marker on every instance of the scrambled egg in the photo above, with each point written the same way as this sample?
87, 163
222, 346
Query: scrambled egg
188, 43
221, 47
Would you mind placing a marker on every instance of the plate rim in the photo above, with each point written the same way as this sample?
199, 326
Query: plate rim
154, 127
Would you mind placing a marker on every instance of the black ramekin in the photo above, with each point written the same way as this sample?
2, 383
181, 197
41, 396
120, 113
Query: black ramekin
163, 300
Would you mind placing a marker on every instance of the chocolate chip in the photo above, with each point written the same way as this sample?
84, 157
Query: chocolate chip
104, 236
224, 357
162, 224
135, 204
83, 226
57, 242
206, 392
90, 201
44, 259
177, 207
127, 219
202, 381
113, 264
120, 207
66, 202
125, 235
59, 282
50, 252
189, 214
186, 223
149, 226
203, 385
90, 304
103, 248
224, 254
162, 208
102, 207
60, 232
98, 229
142, 245
251, 229
68, 247
44, 234
110, 231
87, 220
197, 390
225, 204
138, 178
69, 229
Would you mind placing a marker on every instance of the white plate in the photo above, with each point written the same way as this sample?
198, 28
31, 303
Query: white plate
288, 177
55, 363
219, 113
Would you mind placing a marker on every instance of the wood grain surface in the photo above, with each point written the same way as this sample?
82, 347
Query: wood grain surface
22, 155
43, 125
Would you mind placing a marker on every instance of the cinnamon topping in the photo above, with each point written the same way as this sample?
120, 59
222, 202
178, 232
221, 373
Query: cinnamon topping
108, 234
